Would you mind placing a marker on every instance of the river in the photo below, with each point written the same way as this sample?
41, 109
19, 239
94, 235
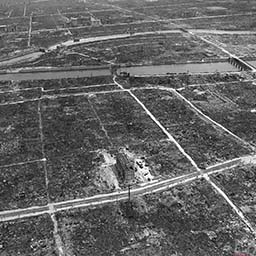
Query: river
180, 68
136, 71
55, 74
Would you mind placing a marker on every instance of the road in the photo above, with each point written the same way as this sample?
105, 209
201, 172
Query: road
35, 55
214, 16
223, 32
30, 29
102, 199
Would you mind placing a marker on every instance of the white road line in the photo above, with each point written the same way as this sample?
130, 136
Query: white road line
100, 122
81, 87
30, 29
57, 238
22, 163
20, 90
233, 206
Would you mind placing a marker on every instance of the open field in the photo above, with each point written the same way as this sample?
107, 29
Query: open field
12, 45
180, 80
191, 9
31, 88
187, 220
27, 237
240, 45
21, 23
22, 186
230, 104
186, 9
19, 133
240, 185
154, 49
233, 22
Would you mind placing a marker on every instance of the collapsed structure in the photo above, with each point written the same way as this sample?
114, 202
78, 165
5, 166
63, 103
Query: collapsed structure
131, 169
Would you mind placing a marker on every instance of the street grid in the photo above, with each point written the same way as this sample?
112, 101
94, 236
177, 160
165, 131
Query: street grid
51, 208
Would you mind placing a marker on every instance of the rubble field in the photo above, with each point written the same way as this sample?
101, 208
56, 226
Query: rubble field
239, 184
76, 129
185, 220
170, 48
242, 45
231, 104
27, 237
205, 143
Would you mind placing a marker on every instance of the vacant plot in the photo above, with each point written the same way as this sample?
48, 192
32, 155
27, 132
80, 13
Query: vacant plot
70, 124
13, 45
168, 48
179, 80
240, 185
124, 120
231, 104
187, 220
19, 134
27, 237
234, 22
174, 10
44, 22
49, 38
22, 186
200, 139
243, 93
116, 16
73, 176
242, 45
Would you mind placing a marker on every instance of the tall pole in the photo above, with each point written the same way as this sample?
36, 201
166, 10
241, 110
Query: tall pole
129, 192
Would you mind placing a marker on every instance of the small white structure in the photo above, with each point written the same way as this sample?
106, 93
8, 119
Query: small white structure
142, 171
95, 22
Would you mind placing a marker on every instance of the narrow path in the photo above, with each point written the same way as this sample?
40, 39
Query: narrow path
18, 102
57, 238
22, 163
79, 87
9, 14
100, 122
19, 90
25, 10
56, 235
30, 29
223, 32
214, 16
43, 147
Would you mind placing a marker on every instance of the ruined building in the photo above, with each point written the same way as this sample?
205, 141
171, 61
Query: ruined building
125, 168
